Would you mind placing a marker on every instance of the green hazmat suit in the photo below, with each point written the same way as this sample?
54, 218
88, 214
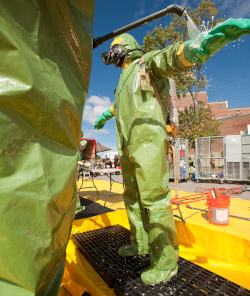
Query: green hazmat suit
46, 57
142, 146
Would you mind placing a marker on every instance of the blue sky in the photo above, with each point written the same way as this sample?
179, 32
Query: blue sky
228, 71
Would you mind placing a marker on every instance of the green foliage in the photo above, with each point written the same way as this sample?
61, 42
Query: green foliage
161, 37
194, 125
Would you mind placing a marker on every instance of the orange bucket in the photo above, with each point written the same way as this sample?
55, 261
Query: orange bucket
218, 209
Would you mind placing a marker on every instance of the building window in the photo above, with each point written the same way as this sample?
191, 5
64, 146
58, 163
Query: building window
199, 102
220, 105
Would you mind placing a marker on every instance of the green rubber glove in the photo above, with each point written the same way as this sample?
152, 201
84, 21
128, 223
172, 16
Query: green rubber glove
206, 44
100, 122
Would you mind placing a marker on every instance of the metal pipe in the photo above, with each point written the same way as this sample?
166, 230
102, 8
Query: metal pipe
186, 15
174, 8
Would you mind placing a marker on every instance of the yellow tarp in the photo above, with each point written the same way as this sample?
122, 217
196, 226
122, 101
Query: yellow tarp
79, 276
225, 250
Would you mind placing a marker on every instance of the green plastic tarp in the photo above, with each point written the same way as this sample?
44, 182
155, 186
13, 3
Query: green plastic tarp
46, 56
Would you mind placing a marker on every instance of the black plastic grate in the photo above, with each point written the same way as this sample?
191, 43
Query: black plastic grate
191, 279
100, 248
91, 209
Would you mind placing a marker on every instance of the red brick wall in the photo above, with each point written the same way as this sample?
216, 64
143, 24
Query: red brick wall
187, 101
238, 111
220, 110
233, 126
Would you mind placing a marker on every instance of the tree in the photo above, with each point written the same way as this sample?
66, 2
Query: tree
194, 125
177, 30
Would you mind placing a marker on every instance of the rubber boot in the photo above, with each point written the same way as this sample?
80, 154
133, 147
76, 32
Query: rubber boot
79, 207
126, 251
153, 276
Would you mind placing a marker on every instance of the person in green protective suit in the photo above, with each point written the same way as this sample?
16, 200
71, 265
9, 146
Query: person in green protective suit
46, 57
143, 143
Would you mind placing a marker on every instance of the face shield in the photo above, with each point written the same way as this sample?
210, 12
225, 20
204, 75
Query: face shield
115, 56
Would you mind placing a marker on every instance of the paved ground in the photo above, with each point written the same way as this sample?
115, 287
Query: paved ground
190, 186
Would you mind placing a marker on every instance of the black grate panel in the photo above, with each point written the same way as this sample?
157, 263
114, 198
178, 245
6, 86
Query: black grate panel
100, 248
190, 280
91, 209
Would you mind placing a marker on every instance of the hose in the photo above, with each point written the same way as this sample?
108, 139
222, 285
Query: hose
202, 195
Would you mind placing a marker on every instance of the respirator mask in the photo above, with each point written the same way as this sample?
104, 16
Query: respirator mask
116, 55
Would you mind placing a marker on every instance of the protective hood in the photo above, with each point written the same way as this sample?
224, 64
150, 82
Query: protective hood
128, 42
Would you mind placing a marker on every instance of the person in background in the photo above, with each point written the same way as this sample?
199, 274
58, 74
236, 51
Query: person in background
116, 160
191, 169
108, 162
212, 162
116, 163
83, 144
191, 162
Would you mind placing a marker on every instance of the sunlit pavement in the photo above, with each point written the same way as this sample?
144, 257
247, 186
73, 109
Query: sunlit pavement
191, 186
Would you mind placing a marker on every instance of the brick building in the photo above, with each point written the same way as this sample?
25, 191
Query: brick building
220, 110
234, 120
187, 101
235, 124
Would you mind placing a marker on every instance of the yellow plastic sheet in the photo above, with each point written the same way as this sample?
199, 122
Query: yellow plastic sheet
79, 276
224, 250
